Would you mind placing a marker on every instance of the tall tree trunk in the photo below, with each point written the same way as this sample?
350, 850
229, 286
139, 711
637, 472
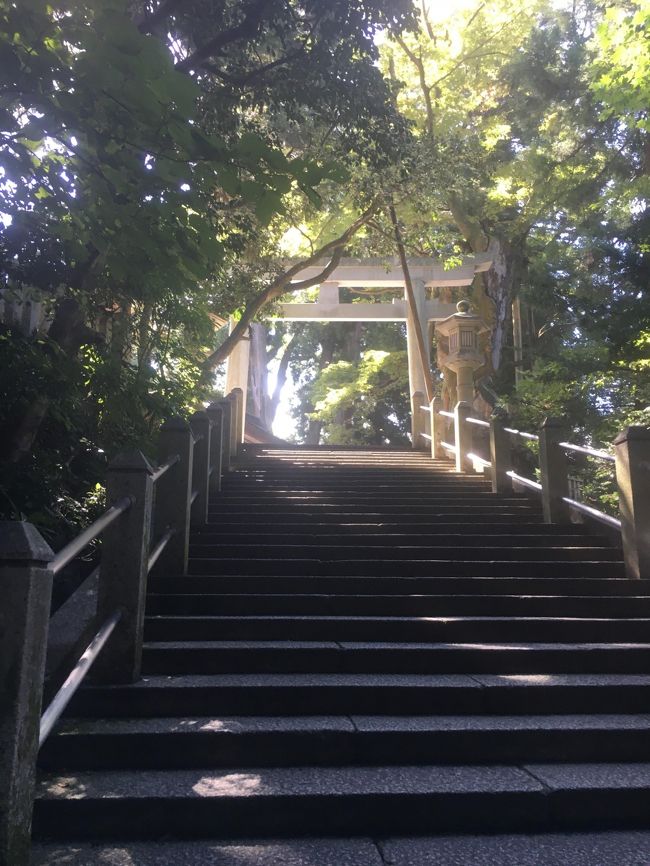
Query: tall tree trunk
283, 371
494, 291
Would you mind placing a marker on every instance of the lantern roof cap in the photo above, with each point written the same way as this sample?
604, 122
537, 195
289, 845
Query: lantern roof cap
463, 316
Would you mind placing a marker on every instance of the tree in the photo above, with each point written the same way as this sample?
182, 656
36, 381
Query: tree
510, 139
147, 172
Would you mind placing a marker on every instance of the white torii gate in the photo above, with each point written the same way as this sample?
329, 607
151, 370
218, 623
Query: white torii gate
373, 274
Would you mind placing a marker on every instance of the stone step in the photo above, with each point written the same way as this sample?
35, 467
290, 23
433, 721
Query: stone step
403, 552
439, 567
414, 485
352, 585
213, 657
606, 848
451, 496
318, 694
460, 508
436, 538
325, 518
416, 629
308, 851
195, 604
404, 527
336, 800
283, 741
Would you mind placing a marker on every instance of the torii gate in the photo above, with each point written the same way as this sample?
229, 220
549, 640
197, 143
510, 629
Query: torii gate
368, 274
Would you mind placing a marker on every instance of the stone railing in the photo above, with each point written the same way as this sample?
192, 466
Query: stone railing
631, 457
145, 502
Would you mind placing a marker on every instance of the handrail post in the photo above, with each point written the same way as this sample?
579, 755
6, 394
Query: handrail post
553, 470
500, 456
173, 494
632, 451
216, 413
437, 429
124, 568
463, 436
25, 592
201, 428
226, 436
417, 421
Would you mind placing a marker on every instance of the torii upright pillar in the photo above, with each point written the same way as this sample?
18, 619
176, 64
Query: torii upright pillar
417, 382
237, 370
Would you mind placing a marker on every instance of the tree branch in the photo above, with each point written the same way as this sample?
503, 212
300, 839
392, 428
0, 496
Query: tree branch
246, 29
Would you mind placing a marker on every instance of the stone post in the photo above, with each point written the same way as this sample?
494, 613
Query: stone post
437, 429
553, 471
632, 450
500, 456
173, 493
25, 595
465, 383
418, 420
124, 568
201, 429
463, 437
215, 413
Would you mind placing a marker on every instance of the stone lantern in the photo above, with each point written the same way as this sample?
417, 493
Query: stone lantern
461, 350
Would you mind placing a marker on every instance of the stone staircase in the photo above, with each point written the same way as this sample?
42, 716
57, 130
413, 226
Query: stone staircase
368, 646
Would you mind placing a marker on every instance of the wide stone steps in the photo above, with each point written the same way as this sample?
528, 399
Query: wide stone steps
283, 741
284, 656
397, 628
363, 800
392, 538
388, 606
305, 694
366, 645
606, 848
369, 585
539, 566
519, 551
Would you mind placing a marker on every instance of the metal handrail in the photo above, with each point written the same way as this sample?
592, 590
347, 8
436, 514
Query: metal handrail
534, 485
161, 544
448, 446
477, 459
477, 421
62, 698
425, 436
195, 493
521, 433
593, 512
160, 471
446, 414
90, 533
591, 452
425, 408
